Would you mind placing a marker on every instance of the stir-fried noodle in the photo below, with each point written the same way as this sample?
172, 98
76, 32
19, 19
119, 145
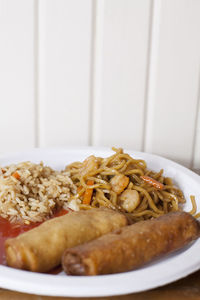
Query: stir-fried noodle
125, 184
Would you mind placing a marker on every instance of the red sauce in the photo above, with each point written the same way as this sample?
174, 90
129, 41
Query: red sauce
10, 230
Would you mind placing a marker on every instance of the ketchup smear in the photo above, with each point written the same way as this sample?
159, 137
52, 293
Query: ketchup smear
11, 230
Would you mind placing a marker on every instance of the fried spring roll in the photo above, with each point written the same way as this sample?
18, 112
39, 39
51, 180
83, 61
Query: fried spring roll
41, 248
132, 246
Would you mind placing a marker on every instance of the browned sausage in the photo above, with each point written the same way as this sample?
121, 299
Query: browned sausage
132, 246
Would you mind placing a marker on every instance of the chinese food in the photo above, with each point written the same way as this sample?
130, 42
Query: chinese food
132, 246
41, 248
125, 184
105, 195
33, 192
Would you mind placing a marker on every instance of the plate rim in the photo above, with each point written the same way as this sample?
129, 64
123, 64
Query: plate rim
9, 272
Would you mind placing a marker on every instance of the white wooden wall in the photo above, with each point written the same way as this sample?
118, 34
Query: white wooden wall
103, 73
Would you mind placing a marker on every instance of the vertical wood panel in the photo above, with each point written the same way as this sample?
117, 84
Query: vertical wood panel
120, 72
64, 67
173, 97
196, 159
17, 120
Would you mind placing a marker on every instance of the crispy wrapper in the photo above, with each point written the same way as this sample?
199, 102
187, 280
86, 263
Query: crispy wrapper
132, 246
41, 248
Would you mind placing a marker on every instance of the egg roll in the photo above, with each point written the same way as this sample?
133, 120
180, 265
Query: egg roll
132, 246
40, 249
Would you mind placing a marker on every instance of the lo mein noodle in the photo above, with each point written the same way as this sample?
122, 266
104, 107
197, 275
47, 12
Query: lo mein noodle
123, 183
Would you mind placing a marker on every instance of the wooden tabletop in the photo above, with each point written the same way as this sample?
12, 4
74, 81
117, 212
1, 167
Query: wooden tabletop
187, 288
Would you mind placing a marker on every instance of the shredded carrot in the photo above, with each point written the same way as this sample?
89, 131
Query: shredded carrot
158, 185
16, 175
79, 189
88, 193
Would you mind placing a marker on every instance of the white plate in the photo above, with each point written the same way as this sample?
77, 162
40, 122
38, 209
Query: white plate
159, 273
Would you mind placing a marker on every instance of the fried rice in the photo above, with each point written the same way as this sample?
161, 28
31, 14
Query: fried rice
32, 192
